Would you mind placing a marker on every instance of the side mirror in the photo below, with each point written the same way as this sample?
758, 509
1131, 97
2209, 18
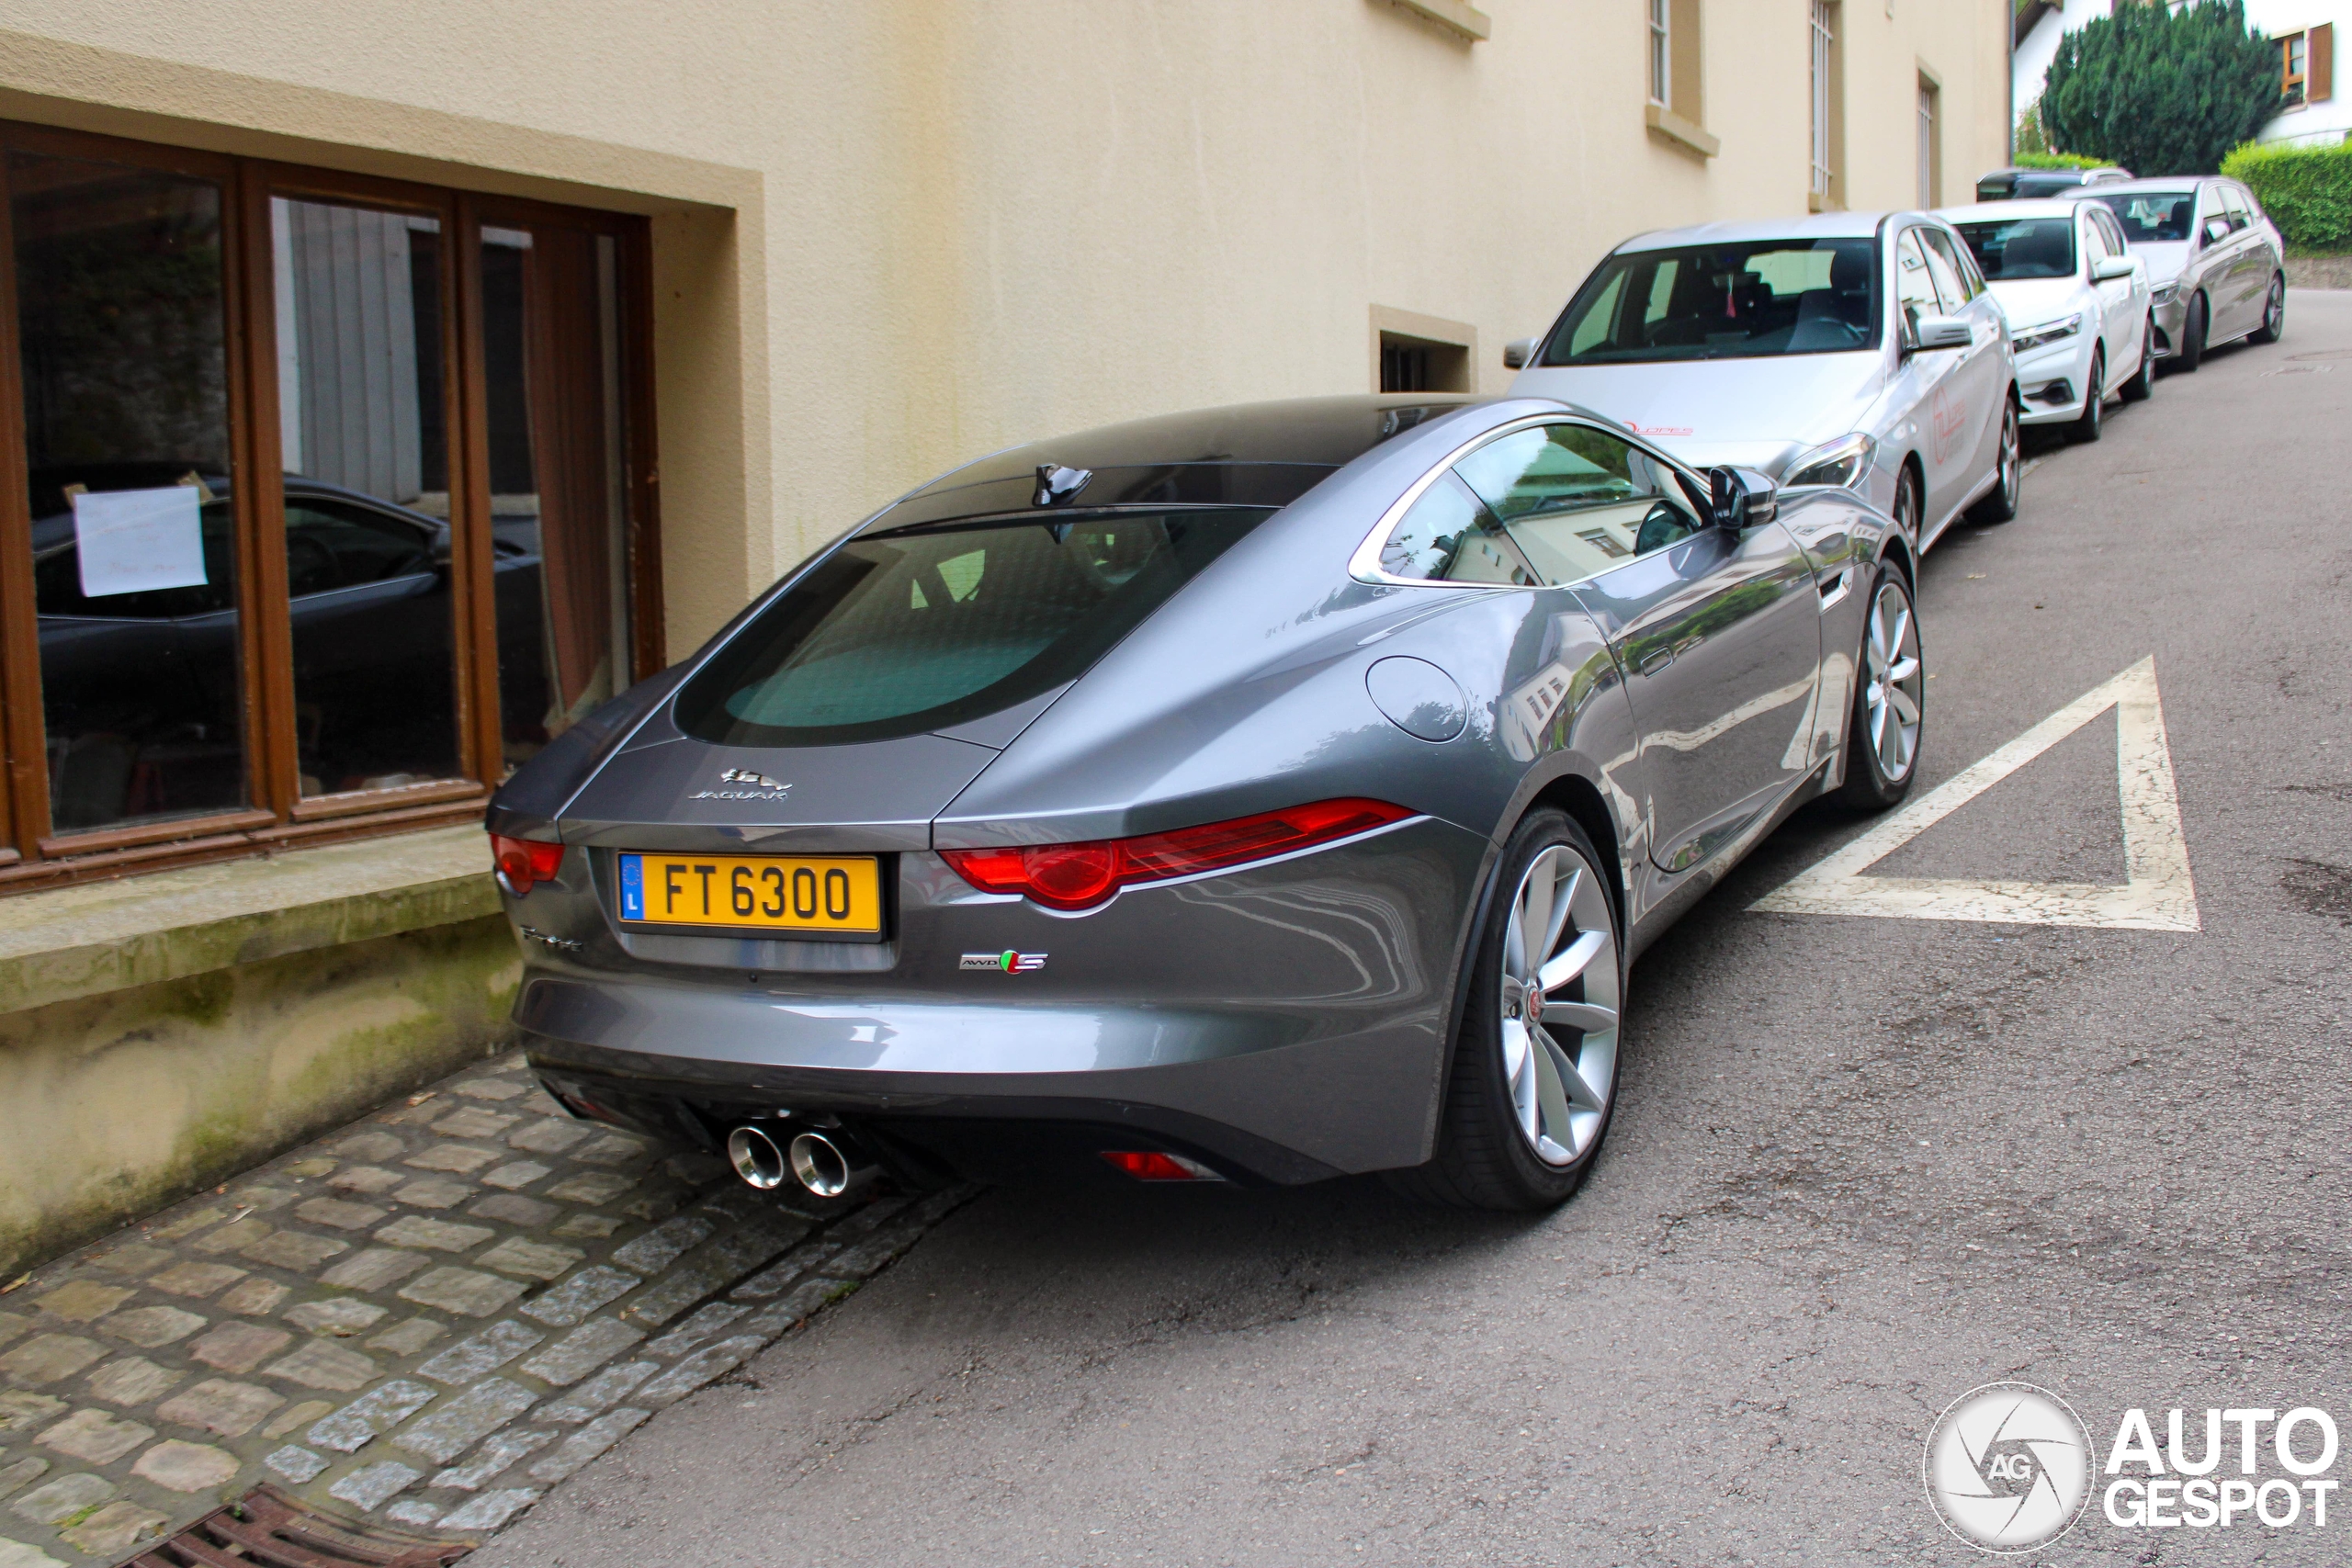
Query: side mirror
1938, 331
2108, 269
2216, 231
1741, 498
1518, 352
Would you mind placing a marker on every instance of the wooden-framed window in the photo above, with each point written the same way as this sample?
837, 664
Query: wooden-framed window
324, 500
2307, 65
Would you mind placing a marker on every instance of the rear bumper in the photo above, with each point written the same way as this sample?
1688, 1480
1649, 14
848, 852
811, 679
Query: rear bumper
1287, 1022
970, 1127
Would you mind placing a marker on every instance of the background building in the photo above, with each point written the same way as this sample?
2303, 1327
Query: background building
2304, 31
452, 365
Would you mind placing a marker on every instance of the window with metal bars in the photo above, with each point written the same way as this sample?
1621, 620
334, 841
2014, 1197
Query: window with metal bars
1825, 44
1662, 53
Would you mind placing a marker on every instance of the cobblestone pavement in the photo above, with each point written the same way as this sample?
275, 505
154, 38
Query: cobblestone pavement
427, 1318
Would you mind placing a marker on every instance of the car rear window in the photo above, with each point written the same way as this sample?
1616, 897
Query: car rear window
1729, 301
2023, 247
915, 629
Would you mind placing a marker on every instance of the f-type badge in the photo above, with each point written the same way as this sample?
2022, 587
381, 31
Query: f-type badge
1005, 963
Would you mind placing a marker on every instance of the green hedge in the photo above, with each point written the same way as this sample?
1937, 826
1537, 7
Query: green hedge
2057, 161
2306, 190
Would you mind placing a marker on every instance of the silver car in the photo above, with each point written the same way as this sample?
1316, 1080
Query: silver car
1850, 349
1260, 794
2216, 263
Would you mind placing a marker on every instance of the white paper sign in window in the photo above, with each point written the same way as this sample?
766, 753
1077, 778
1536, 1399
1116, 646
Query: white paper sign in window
133, 540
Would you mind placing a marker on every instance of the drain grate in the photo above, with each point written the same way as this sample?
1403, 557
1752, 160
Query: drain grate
268, 1529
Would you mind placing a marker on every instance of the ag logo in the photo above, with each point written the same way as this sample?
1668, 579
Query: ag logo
2008, 1467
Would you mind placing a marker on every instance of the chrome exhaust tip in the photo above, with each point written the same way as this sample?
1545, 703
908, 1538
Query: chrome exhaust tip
756, 1159
825, 1168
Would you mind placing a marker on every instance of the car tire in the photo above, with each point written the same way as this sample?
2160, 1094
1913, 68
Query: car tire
2143, 380
2092, 422
2001, 504
1908, 509
1505, 1094
2192, 335
1882, 756
2274, 313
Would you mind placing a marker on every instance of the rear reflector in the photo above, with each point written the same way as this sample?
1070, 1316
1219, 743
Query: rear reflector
521, 861
1152, 1165
1079, 876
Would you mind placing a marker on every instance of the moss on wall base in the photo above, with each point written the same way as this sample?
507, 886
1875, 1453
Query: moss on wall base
114, 1106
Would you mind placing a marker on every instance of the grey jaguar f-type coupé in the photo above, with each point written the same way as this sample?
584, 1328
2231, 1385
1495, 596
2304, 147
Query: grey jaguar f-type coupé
1259, 794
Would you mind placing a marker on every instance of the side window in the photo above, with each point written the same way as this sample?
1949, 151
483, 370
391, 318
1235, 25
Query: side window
1578, 501
1951, 282
2095, 246
1448, 535
330, 547
1913, 285
2239, 217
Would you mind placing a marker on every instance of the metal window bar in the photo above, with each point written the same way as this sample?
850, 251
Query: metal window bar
1661, 53
1927, 149
1822, 38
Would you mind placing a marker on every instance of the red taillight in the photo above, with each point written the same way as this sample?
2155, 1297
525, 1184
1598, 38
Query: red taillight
1079, 876
1150, 1165
523, 862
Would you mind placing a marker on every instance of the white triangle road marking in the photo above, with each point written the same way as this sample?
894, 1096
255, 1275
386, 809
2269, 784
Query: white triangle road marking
2159, 897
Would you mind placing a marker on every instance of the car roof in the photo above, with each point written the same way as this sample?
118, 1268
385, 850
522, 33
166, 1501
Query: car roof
1245, 454
1812, 226
2170, 185
1993, 211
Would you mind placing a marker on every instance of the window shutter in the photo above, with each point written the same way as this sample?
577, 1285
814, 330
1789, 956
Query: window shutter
2319, 78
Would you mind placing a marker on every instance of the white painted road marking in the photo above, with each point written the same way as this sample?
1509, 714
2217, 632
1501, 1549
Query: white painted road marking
2160, 895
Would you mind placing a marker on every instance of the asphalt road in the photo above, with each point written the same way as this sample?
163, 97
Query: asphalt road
1859, 1165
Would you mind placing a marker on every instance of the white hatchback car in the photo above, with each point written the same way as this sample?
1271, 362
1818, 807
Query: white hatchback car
2078, 300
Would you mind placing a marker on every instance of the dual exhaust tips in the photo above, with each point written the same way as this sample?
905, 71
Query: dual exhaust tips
825, 1166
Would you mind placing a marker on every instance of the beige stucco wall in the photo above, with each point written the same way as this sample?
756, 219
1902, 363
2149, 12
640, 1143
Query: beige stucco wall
894, 234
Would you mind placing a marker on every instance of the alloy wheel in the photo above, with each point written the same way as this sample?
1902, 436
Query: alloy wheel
1559, 1006
1907, 510
1891, 695
2274, 312
2011, 469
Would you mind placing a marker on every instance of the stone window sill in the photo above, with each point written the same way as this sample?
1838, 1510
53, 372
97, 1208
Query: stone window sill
93, 938
1455, 16
1672, 126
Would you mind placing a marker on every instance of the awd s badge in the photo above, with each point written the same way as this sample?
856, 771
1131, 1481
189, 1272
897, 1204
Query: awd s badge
1006, 963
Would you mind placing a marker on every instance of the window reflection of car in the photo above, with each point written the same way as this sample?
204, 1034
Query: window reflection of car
131, 680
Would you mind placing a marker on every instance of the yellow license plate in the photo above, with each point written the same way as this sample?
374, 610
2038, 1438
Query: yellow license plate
836, 894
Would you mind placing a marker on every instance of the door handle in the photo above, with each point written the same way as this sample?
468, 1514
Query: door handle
1656, 661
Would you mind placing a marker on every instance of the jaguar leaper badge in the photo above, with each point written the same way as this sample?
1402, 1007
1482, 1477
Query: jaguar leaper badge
1005, 963
745, 784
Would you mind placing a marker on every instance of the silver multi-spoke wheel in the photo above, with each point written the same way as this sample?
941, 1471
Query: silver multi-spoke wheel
1892, 681
1559, 1006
